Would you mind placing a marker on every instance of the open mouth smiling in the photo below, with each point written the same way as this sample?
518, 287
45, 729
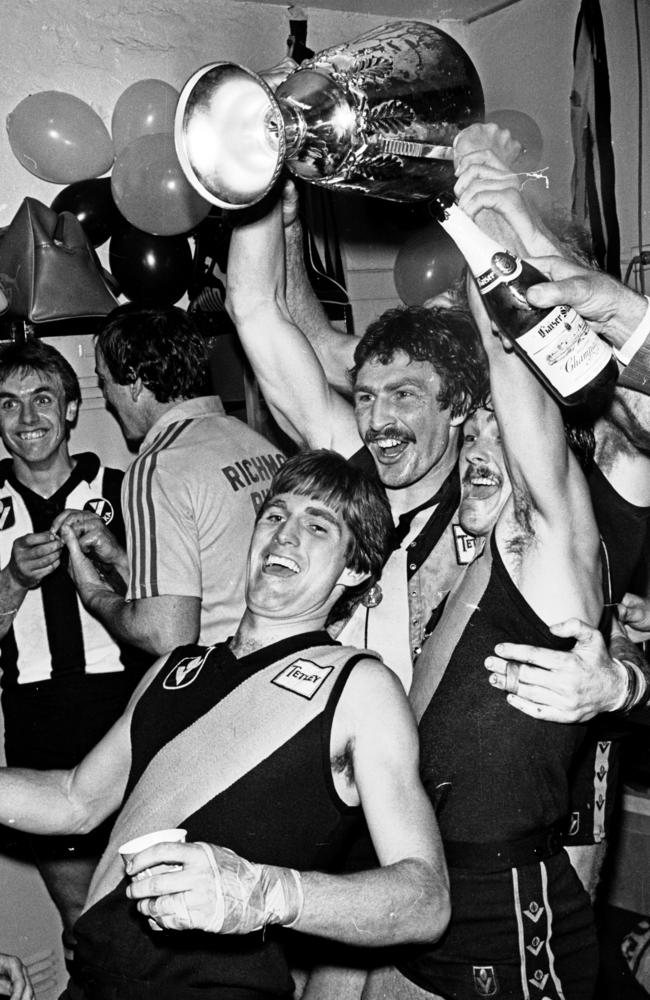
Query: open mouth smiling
282, 565
32, 435
481, 484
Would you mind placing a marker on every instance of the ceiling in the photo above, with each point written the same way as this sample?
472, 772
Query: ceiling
465, 11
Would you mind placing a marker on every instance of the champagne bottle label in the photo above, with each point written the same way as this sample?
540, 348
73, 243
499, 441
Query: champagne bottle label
505, 268
565, 349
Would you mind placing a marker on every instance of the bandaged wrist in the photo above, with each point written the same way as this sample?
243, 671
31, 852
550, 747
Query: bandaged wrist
636, 339
250, 896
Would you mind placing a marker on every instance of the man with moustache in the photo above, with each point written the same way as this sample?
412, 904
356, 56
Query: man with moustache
416, 373
500, 779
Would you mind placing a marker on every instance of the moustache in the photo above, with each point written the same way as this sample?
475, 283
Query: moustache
483, 471
387, 432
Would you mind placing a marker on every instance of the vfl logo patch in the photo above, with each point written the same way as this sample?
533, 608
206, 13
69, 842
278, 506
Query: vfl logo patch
485, 981
184, 672
465, 545
302, 677
7, 516
103, 508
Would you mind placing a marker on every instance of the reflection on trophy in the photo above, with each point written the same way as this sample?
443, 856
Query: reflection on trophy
377, 115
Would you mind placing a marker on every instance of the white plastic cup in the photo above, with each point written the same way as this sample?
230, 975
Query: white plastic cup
133, 847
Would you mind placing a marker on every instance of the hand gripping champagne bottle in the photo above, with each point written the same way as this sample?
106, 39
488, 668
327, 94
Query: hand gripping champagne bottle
558, 344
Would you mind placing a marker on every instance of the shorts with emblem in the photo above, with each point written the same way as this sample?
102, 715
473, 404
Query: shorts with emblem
515, 934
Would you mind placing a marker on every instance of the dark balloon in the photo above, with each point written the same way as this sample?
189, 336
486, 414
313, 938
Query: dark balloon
426, 265
150, 270
92, 202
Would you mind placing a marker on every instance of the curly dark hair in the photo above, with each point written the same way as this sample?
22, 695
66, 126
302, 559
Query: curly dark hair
162, 346
447, 338
34, 356
359, 496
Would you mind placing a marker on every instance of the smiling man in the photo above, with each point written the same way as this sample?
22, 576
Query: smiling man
485, 484
415, 375
64, 679
267, 750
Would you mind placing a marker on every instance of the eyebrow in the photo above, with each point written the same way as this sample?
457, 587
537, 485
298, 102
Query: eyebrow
397, 383
45, 387
324, 512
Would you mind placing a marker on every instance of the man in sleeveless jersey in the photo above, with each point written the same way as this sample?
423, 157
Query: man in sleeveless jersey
64, 678
414, 375
521, 921
190, 496
619, 483
266, 750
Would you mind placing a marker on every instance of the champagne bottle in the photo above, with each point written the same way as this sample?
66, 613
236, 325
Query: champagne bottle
558, 344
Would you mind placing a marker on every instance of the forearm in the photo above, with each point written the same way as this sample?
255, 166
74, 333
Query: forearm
40, 802
12, 595
155, 624
289, 374
397, 904
286, 367
531, 429
335, 350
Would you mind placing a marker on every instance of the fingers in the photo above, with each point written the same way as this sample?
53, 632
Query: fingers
290, 204
81, 521
69, 537
575, 628
166, 853
487, 137
168, 912
538, 710
13, 970
634, 610
574, 291
521, 653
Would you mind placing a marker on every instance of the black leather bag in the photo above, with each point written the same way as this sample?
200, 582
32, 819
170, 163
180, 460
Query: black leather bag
48, 268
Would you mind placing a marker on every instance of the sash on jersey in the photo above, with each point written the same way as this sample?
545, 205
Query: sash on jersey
438, 649
243, 729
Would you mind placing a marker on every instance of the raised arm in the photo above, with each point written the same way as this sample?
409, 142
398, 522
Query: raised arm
618, 313
289, 373
552, 507
335, 350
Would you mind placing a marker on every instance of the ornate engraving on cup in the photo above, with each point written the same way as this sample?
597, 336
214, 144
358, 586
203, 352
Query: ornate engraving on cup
377, 115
